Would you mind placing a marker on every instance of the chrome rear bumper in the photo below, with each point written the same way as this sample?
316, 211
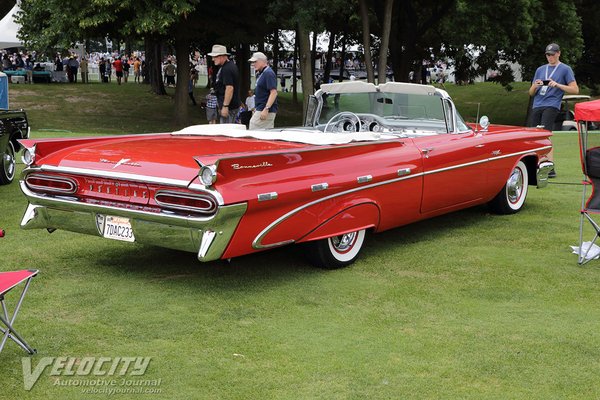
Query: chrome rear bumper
206, 236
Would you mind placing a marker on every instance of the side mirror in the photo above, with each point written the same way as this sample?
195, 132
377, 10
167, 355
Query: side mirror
484, 123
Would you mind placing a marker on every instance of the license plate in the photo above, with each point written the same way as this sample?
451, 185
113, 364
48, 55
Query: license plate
118, 228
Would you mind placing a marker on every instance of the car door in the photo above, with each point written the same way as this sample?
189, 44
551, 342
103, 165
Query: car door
454, 169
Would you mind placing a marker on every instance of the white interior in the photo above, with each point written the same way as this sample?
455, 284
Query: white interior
307, 136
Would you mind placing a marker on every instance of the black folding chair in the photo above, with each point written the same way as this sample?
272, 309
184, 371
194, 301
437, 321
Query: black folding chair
8, 281
587, 116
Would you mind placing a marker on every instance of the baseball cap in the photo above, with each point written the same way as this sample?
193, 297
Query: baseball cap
552, 48
258, 56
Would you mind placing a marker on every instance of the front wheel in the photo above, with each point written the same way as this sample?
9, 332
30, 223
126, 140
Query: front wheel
511, 198
8, 165
337, 251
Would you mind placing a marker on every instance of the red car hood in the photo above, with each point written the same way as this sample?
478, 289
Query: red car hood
163, 156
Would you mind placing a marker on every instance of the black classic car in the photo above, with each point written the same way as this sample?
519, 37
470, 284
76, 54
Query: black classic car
13, 126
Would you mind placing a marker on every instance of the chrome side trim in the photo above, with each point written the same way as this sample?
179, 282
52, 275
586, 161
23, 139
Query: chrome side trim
267, 196
256, 243
435, 171
520, 153
486, 160
364, 179
319, 186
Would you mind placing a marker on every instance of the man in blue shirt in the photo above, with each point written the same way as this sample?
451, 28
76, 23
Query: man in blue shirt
265, 93
550, 82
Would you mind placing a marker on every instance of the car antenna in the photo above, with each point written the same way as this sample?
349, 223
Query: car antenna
477, 120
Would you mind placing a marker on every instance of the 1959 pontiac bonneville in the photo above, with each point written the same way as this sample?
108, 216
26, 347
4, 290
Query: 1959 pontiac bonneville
368, 158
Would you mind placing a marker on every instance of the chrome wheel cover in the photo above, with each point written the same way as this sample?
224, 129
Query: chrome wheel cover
344, 242
8, 161
514, 186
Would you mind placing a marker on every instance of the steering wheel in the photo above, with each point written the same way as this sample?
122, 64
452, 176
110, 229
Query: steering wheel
344, 121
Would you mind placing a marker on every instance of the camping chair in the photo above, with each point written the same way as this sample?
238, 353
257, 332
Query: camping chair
8, 281
589, 146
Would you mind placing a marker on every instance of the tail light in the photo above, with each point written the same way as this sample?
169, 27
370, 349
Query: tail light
192, 202
52, 184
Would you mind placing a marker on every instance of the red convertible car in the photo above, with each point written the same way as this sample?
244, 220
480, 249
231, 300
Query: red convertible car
368, 158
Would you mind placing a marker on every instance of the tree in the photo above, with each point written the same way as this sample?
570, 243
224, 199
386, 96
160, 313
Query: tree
385, 39
587, 70
366, 39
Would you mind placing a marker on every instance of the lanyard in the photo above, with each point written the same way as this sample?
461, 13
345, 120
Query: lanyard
261, 74
553, 71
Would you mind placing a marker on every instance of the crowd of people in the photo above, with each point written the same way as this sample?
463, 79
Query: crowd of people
18, 61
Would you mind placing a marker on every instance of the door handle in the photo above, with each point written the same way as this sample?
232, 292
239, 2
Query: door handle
427, 150
480, 146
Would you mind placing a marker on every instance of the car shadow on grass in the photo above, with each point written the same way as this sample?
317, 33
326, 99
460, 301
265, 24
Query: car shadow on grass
277, 266
172, 266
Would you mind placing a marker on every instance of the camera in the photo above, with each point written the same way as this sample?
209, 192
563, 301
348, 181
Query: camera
546, 82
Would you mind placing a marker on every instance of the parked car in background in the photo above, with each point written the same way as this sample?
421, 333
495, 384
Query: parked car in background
368, 158
565, 120
13, 126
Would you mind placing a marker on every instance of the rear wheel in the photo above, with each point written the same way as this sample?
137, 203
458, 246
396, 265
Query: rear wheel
511, 198
8, 165
337, 251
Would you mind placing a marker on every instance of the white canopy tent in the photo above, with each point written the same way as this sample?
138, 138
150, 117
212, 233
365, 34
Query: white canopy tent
9, 29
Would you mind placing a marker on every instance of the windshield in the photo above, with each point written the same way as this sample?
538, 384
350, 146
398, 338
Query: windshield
396, 111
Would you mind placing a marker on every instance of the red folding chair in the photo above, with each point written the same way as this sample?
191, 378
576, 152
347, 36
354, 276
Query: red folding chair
8, 281
587, 115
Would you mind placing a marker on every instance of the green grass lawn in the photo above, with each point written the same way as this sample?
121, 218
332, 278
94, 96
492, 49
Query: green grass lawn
468, 305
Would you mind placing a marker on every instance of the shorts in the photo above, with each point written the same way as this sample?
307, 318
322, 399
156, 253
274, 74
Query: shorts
119, 74
545, 116
211, 114
257, 123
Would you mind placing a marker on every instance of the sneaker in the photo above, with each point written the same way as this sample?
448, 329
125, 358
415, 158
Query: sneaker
552, 173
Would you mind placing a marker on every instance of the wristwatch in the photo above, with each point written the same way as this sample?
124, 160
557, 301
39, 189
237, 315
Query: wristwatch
225, 105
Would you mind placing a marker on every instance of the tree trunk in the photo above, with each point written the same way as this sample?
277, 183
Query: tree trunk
153, 65
295, 70
305, 66
243, 55
364, 15
327, 72
275, 65
385, 42
313, 54
182, 53
343, 57
128, 48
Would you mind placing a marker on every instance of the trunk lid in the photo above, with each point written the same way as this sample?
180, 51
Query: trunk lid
160, 156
